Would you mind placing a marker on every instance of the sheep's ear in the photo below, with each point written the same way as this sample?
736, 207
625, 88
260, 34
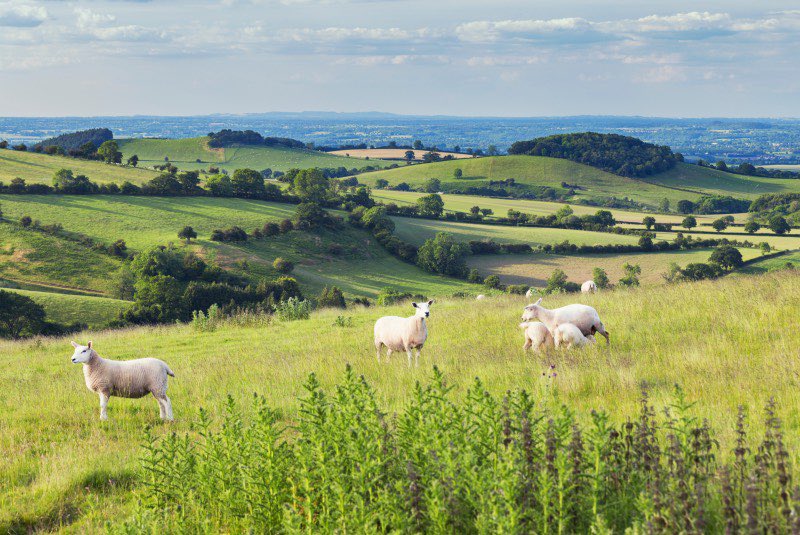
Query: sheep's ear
89, 345
74, 344
539, 302
430, 302
414, 305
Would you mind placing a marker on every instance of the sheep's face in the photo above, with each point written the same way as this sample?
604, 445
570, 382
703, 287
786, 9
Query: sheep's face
82, 354
423, 309
531, 312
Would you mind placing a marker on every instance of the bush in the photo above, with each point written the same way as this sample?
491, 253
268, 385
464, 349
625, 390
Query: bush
444, 255
26, 221
293, 309
631, 277
281, 265
286, 226
331, 298
389, 296
474, 277
233, 234
517, 289
600, 278
207, 322
492, 281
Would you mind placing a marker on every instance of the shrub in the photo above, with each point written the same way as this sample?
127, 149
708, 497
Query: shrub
26, 221
600, 278
631, 277
474, 277
233, 234
281, 265
293, 309
286, 226
492, 281
331, 298
389, 296
517, 289
207, 322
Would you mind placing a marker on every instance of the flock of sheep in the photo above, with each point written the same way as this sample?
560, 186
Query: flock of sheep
571, 326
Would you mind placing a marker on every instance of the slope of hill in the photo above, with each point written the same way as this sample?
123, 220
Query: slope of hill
712, 181
65, 470
194, 153
96, 312
37, 168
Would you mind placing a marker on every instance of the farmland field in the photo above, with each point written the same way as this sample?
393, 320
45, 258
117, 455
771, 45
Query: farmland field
534, 269
39, 169
62, 468
184, 153
393, 154
716, 182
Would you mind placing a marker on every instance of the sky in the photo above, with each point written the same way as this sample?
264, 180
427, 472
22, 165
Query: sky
673, 58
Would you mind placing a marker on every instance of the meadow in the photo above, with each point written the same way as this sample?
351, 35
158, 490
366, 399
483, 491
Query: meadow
534, 269
712, 181
62, 468
185, 153
393, 154
95, 312
37, 168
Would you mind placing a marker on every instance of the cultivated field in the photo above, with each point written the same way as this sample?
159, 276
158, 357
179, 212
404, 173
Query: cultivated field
62, 468
393, 154
185, 153
40, 168
534, 269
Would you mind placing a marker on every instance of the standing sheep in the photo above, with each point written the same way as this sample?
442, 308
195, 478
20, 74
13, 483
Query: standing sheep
569, 334
403, 334
529, 293
536, 336
588, 287
124, 378
583, 317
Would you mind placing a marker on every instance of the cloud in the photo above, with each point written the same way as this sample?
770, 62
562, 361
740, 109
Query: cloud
661, 75
15, 15
564, 30
101, 27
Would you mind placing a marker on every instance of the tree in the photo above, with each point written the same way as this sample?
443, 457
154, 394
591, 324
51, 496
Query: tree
492, 150
492, 281
474, 276
564, 212
727, 256
282, 265
444, 255
418, 145
187, 233
646, 242
648, 222
664, 205
689, 222
312, 215
331, 298
631, 277
458, 173
381, 183
247, 183
109, 152
65, 182
133, 161
475, 210
719, 224
430, 205
433, 185
600, 278
20, 315
751, 227
219, 185
778, 225
487, 212
311, 185
685, 207
722, 166
765, 248
409, 155
557, 282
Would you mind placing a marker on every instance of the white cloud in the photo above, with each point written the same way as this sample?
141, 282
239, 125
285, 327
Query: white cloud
16, 15
661, 75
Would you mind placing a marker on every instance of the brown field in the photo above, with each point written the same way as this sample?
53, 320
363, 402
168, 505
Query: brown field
534, 269
393, 154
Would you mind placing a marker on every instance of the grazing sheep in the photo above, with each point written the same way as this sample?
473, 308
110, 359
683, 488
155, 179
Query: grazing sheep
571, 336
481, 296
403, 334
588, 287
124, 378
584, 317
536, 336
529, 293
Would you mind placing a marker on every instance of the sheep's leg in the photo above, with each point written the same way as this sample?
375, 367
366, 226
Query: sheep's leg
409, 351
378, 351
167, 408
417, 358
161, 411
528, 344
103, 406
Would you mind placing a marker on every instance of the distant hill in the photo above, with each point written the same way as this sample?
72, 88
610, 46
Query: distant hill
229, 138
621, 155
73, 141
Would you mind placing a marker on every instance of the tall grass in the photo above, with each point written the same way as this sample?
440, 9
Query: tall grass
478, 463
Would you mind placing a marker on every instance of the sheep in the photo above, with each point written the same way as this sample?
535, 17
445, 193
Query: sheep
588, 287
536, 336
569, 334
125, 379
584, 317
480, 297
403, 334
529, 293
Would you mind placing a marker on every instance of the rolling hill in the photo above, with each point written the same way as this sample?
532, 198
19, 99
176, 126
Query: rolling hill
36, 168
195, 154
96, 312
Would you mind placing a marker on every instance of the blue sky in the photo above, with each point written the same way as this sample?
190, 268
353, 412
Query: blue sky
494, 57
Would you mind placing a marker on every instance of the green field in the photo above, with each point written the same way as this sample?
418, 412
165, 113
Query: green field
770, 264
534, 269
40, 168
147, 221
716, 182
416, 231
184, 153
96, 312
62, 468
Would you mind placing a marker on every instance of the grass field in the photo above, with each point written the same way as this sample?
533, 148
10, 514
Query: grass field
393, 154
40, 168
787, 241
534, 269
184, 153
712, 181
62, 468
95, 312
147, 221
770, 264
416, 231
462, 203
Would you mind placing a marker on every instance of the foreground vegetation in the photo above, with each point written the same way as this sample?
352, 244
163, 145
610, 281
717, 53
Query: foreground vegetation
61, 466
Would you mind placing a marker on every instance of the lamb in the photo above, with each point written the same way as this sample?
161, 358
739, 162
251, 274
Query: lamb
480, 297
126, 379
583, 317
588, 287
529, 293
571, 336
403, 334
536, 336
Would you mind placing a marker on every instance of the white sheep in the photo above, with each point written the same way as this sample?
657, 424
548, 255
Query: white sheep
571, 336
124, 378
588, 287
584, 317
480, 297
403, 334
536, 336
529, 293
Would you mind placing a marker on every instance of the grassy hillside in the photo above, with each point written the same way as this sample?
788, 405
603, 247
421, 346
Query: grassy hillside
96, 312
363, 267
416, 231
184, 153
63, 468
711, 181
40, 168
534, 270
